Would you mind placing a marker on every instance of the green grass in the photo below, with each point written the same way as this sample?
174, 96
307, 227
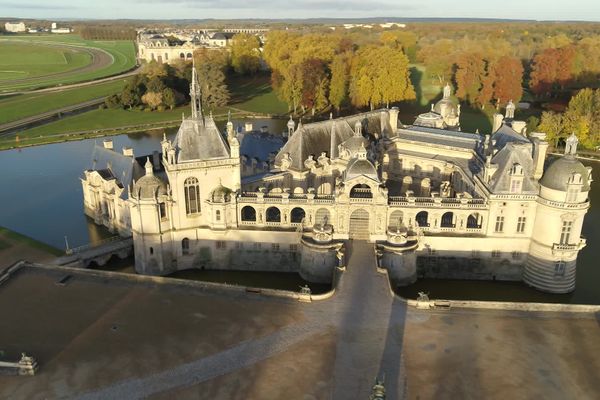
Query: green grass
255, 95
25, 61
103, 119
16, 107
121, 51
8, 234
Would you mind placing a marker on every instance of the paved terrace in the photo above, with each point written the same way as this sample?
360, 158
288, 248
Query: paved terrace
106, 338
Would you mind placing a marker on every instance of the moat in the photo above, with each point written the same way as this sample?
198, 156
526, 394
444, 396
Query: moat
45, 199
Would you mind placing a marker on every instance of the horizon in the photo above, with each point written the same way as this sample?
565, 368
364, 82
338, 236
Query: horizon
157, 10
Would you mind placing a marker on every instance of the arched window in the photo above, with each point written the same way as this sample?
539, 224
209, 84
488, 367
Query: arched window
273, 214
218, 215
422, 218
248, 214
182, 56
189, 55
361, 191
448, 220
297, 215
185, 246
192, 196
473, 221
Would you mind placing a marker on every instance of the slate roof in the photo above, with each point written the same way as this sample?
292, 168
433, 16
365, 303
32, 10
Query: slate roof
443, 137
114, 165
316, 138
259, 145
200, 139
513, 153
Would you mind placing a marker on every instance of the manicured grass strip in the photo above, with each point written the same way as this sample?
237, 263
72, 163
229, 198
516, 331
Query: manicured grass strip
25, 105
7, 233
255, 95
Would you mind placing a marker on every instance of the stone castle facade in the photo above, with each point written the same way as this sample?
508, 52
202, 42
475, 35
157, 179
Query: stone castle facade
438, 202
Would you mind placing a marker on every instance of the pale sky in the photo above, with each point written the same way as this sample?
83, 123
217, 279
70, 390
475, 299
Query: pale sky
588, 10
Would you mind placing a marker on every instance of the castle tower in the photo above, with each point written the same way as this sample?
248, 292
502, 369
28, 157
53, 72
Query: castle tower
196, 94
560, 211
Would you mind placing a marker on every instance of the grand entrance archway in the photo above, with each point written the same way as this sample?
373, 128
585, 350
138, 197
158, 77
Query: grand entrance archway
359, 224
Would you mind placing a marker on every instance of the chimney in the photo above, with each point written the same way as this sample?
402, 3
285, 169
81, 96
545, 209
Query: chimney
108, 144
497, 122
128, 151
519, 127
394, 119
540, 148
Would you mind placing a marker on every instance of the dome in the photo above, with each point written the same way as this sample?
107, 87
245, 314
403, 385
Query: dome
149, 187
220, 194
445, 107
430, 120
559, 172
361, 166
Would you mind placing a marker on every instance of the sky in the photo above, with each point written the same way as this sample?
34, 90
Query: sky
588, 10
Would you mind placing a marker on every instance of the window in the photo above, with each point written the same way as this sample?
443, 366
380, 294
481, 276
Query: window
162, 209
192, 196
572, 193
515, 185
421, 219
499, 224
293, 248
151, 250
430, 251
559, 268
239, 245
218, 215
521, 225
185, 246
275, 246
565, 234
496, 253
222, 245
257, 246
516, 255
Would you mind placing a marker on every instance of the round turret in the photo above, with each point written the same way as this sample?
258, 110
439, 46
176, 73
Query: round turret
149, 186
220, 194
560, 172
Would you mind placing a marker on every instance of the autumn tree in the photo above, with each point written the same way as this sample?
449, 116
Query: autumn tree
508, 79
552, 69
379, 75
211, 66
245, 53
338, 86
552, 125
470, 73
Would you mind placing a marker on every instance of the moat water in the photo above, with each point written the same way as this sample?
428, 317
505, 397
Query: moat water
41, 197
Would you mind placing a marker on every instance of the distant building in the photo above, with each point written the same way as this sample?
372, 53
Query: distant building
436, 202
159, 48
56, 29
15, 27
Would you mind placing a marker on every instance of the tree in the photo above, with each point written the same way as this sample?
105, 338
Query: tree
315, 82
582, 117
245, 53
338, 86
552, 69
168, 98
552, 125
211, 66
152, 99
470, 72
508, 79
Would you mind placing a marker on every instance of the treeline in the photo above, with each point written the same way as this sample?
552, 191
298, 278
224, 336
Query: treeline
315, 71
581, 117
117, 32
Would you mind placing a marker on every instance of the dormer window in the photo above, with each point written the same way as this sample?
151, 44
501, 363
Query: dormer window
574, 185
516, 178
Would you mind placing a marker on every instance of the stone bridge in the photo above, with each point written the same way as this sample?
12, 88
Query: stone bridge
98, 253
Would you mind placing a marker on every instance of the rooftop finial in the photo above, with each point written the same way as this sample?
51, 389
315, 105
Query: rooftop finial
148, 166
571, 145
447, 91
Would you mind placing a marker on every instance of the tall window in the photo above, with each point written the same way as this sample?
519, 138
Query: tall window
565, 233
192, 196
185, 246
218, 215
521, 225
162, 208
515, 185
499, 224
572, 192
559, 268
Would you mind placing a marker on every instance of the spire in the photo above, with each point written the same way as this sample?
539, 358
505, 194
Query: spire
148, 166
571, 145
333, 143
196, 93
357, 129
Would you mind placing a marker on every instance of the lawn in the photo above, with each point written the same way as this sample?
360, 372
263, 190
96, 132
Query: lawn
255, 95
16, 107
39, 68
20, 60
